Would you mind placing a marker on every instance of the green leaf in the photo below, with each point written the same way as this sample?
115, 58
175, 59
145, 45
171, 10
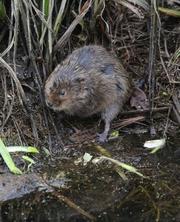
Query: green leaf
8, 160
26, 149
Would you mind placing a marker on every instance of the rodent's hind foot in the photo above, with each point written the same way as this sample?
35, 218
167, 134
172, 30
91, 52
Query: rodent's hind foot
102, 137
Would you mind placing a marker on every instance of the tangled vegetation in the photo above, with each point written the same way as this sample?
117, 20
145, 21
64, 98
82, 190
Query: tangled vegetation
36, 35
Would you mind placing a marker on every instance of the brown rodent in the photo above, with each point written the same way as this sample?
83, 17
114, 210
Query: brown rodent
89, 81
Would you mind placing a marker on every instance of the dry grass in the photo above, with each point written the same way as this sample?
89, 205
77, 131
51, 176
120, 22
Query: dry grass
41, 33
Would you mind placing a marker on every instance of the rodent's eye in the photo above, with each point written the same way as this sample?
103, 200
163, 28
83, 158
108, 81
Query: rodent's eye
62, 92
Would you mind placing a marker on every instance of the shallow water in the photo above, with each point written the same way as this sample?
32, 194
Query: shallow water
98, 189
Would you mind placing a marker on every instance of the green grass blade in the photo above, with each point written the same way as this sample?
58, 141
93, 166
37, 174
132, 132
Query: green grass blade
45, 8
28, 159
59, 16
2, 10
170, 12
26, 149
50, 39
123, 165
8, 160
48, 26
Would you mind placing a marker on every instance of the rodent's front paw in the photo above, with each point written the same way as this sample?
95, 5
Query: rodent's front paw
102, 137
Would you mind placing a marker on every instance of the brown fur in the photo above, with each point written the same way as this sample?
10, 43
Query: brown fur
92, 81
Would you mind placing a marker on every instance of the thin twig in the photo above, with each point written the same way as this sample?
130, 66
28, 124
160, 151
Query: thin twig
152, 60
141, 111
71, 204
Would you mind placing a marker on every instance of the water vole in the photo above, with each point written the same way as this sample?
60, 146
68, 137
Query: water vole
89, 81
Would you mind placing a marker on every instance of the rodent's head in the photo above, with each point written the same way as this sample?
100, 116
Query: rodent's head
65, 91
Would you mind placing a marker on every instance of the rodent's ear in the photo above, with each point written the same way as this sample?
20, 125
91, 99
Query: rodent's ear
55, 84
